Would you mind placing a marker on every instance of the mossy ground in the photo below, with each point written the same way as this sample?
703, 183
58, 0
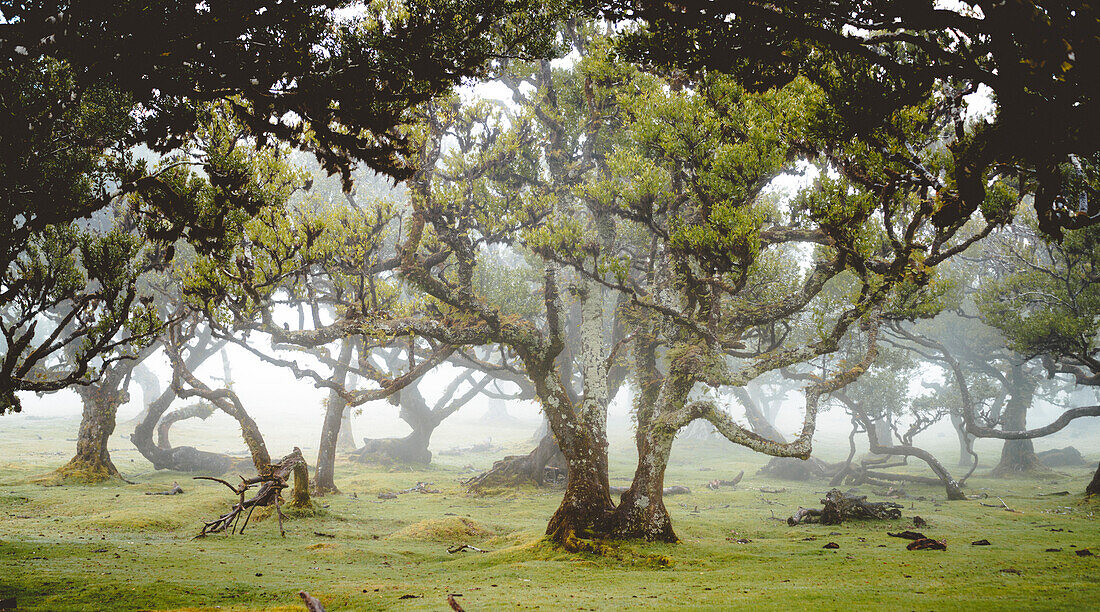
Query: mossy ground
110, 547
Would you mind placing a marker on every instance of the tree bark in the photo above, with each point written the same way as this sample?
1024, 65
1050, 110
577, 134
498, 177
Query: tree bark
964, 440
92, 462
1018, 456
586, 506
330, 431
641, 512
199, 410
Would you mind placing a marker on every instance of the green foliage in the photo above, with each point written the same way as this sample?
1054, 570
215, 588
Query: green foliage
1046, 300
336, 83
887, 66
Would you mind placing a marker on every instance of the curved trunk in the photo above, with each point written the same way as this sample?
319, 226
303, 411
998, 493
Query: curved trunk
965, 440
179, 458
92, 461
335, 410
954, 490
200, 410
183, 458
641, 512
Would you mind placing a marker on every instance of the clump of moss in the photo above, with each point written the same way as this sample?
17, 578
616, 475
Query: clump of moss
446, 529
312, 510
76, 474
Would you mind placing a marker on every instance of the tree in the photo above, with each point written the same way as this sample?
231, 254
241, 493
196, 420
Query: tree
1046, 301
873, 59
689, 244
335, 83
87, 85
631, 192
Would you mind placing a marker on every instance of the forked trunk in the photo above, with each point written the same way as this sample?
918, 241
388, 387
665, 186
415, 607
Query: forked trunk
641, 512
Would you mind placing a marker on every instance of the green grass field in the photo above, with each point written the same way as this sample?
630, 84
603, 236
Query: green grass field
110, 547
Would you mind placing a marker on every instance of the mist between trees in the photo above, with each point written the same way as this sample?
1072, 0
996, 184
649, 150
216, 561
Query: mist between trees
716, 217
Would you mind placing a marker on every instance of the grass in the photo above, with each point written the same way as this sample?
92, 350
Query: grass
110, 547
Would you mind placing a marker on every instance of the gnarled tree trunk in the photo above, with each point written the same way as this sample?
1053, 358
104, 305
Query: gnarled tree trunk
586, 505
92, 462
641, 512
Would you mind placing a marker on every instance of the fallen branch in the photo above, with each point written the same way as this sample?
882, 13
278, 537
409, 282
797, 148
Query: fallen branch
461, 547
715, 484
175, 490
421, 487
838, 507
271, 483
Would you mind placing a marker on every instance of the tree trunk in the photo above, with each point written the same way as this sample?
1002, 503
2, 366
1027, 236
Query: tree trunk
179, 458
1018, 456
880, 429
345, 439
299, 496
201, 410
330, 431
1094, 486
641, 512
586, 506
758, 421
92, 462
497, 414
965, 459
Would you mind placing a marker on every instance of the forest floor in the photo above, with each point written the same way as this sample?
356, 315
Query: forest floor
111, 547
